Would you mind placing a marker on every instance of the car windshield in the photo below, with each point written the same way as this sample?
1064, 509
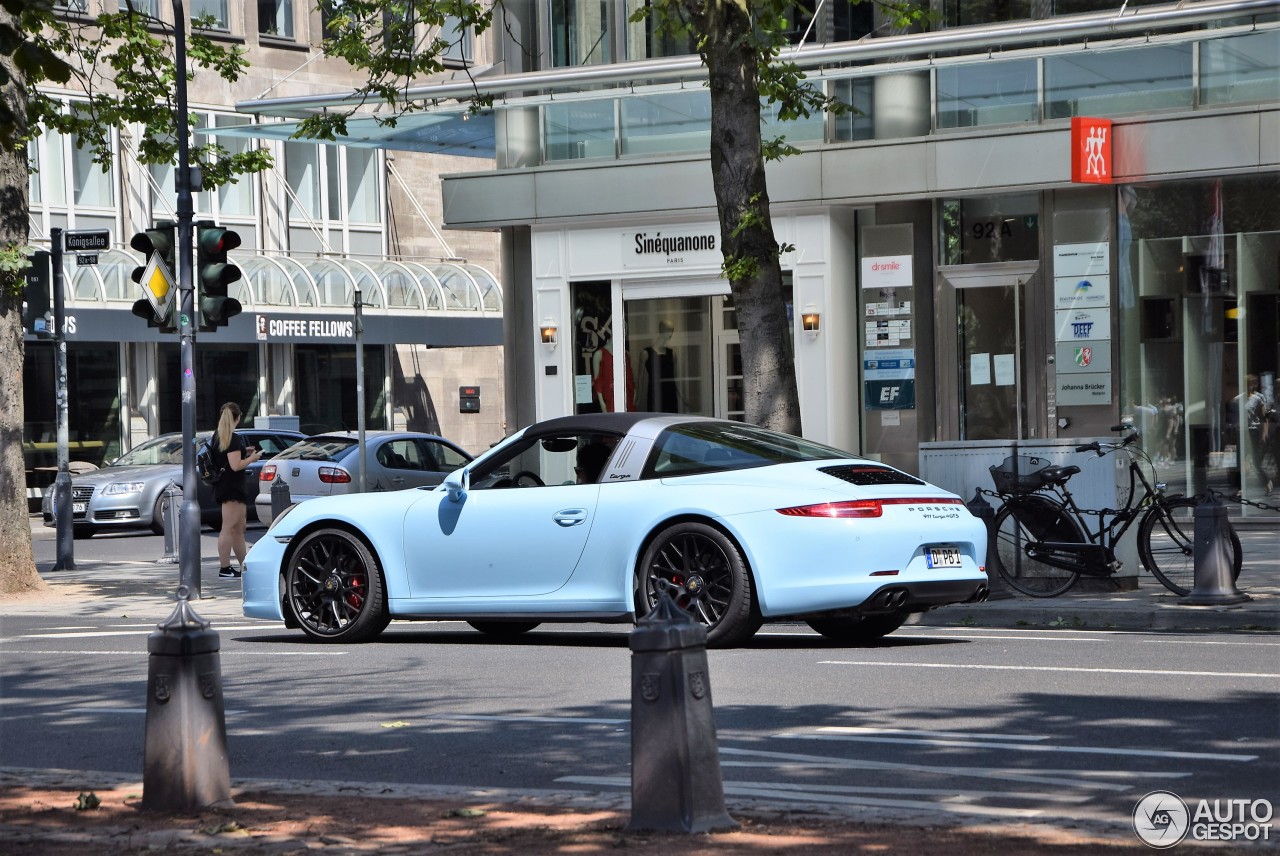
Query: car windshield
703, 447
330, 449
161, 450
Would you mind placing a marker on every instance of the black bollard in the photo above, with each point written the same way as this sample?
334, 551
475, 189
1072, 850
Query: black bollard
675, 763
1215, 583
169, 521
280, 498
185, 765
981, 509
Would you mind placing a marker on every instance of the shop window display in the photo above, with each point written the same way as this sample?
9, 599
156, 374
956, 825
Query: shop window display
1200, 328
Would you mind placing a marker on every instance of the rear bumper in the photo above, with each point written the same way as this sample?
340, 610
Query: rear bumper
913, 597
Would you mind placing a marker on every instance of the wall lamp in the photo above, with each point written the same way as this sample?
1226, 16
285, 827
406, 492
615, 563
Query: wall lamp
811, 322
549, 333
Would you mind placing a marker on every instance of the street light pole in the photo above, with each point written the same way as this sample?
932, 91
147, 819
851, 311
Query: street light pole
62, 500
189, 518
361, 481
185, 759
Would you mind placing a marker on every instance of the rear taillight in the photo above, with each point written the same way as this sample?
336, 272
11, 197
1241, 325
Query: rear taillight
267, 473
860, 508
848, 508
334, 475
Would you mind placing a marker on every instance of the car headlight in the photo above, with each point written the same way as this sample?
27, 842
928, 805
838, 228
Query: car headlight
116, 488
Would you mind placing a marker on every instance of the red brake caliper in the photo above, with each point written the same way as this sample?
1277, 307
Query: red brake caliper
354, 596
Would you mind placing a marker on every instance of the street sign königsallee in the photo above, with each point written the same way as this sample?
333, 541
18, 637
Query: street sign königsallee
87, 241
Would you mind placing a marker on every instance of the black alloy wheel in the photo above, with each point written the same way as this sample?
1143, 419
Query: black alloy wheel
335, 589
703, 571
859, 630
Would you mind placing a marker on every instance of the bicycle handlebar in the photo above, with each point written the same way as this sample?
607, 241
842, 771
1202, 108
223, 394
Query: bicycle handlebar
1111, 447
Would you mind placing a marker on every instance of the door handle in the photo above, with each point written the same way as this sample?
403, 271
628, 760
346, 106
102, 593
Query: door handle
398, 480
570, 516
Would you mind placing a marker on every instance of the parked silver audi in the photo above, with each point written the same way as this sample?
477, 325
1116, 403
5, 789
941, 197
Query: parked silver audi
126, 494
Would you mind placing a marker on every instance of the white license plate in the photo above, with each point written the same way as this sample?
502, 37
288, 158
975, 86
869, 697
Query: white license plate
79, 507
943, 557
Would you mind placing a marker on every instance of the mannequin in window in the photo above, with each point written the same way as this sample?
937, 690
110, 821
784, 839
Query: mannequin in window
659, 388
602, 379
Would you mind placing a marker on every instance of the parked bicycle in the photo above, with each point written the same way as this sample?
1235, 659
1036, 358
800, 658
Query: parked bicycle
1044, 543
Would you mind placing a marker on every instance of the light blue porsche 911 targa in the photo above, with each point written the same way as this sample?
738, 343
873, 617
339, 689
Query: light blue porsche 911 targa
590, 518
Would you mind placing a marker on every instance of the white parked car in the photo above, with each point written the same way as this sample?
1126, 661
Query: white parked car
325, 465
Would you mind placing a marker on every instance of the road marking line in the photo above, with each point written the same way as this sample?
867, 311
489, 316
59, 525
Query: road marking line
147, 629
1069, 778
1027, 747
90, 635
1004, 638
98, 710
1087, 670
12, 651
783, 791
1039, 796
1107, 774
557, 720
866, 729
935, 634
127, 710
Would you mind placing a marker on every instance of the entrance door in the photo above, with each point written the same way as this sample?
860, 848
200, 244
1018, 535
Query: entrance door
729, 398
987, 398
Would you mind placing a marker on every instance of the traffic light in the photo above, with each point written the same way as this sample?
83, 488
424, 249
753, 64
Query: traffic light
213, 274
156, 276
36, 317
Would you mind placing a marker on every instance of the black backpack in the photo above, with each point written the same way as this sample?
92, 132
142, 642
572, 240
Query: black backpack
208, 465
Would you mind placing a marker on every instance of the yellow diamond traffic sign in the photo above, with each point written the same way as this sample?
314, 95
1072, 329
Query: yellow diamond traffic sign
158, 286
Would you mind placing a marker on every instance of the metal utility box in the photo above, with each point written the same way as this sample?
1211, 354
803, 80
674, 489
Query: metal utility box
960, 467
280, 423
468, 399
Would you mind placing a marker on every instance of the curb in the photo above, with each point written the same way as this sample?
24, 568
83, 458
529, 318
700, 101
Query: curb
1084, 615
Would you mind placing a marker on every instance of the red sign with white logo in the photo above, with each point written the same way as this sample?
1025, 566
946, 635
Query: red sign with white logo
1090, 150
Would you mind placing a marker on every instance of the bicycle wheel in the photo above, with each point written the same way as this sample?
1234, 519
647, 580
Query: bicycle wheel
1023, 520
1166, 545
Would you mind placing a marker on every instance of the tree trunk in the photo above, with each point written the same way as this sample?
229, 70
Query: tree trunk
746, 227
17, 565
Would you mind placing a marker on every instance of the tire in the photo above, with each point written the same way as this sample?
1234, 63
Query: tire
858, 631
1166, 545
334, 588
504, 629
1023, 519
703, 571
157, 514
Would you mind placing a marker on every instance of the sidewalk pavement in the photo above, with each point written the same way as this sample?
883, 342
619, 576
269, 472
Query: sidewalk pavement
147, 590
1148, 607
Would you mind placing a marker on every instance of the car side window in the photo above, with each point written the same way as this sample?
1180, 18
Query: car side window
446, 457
562, 459
269, 445
400, 455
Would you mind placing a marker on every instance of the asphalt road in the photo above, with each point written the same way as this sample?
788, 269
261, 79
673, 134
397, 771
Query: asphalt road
1012, 725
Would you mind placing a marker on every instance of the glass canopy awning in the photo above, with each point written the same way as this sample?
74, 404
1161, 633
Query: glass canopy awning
285, 282
458, 133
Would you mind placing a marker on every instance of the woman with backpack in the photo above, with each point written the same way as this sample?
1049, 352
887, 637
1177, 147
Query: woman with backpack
232, 456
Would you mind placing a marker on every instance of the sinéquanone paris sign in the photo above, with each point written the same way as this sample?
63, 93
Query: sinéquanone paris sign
665, 247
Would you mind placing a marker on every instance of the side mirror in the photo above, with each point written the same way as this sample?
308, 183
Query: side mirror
456, 484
